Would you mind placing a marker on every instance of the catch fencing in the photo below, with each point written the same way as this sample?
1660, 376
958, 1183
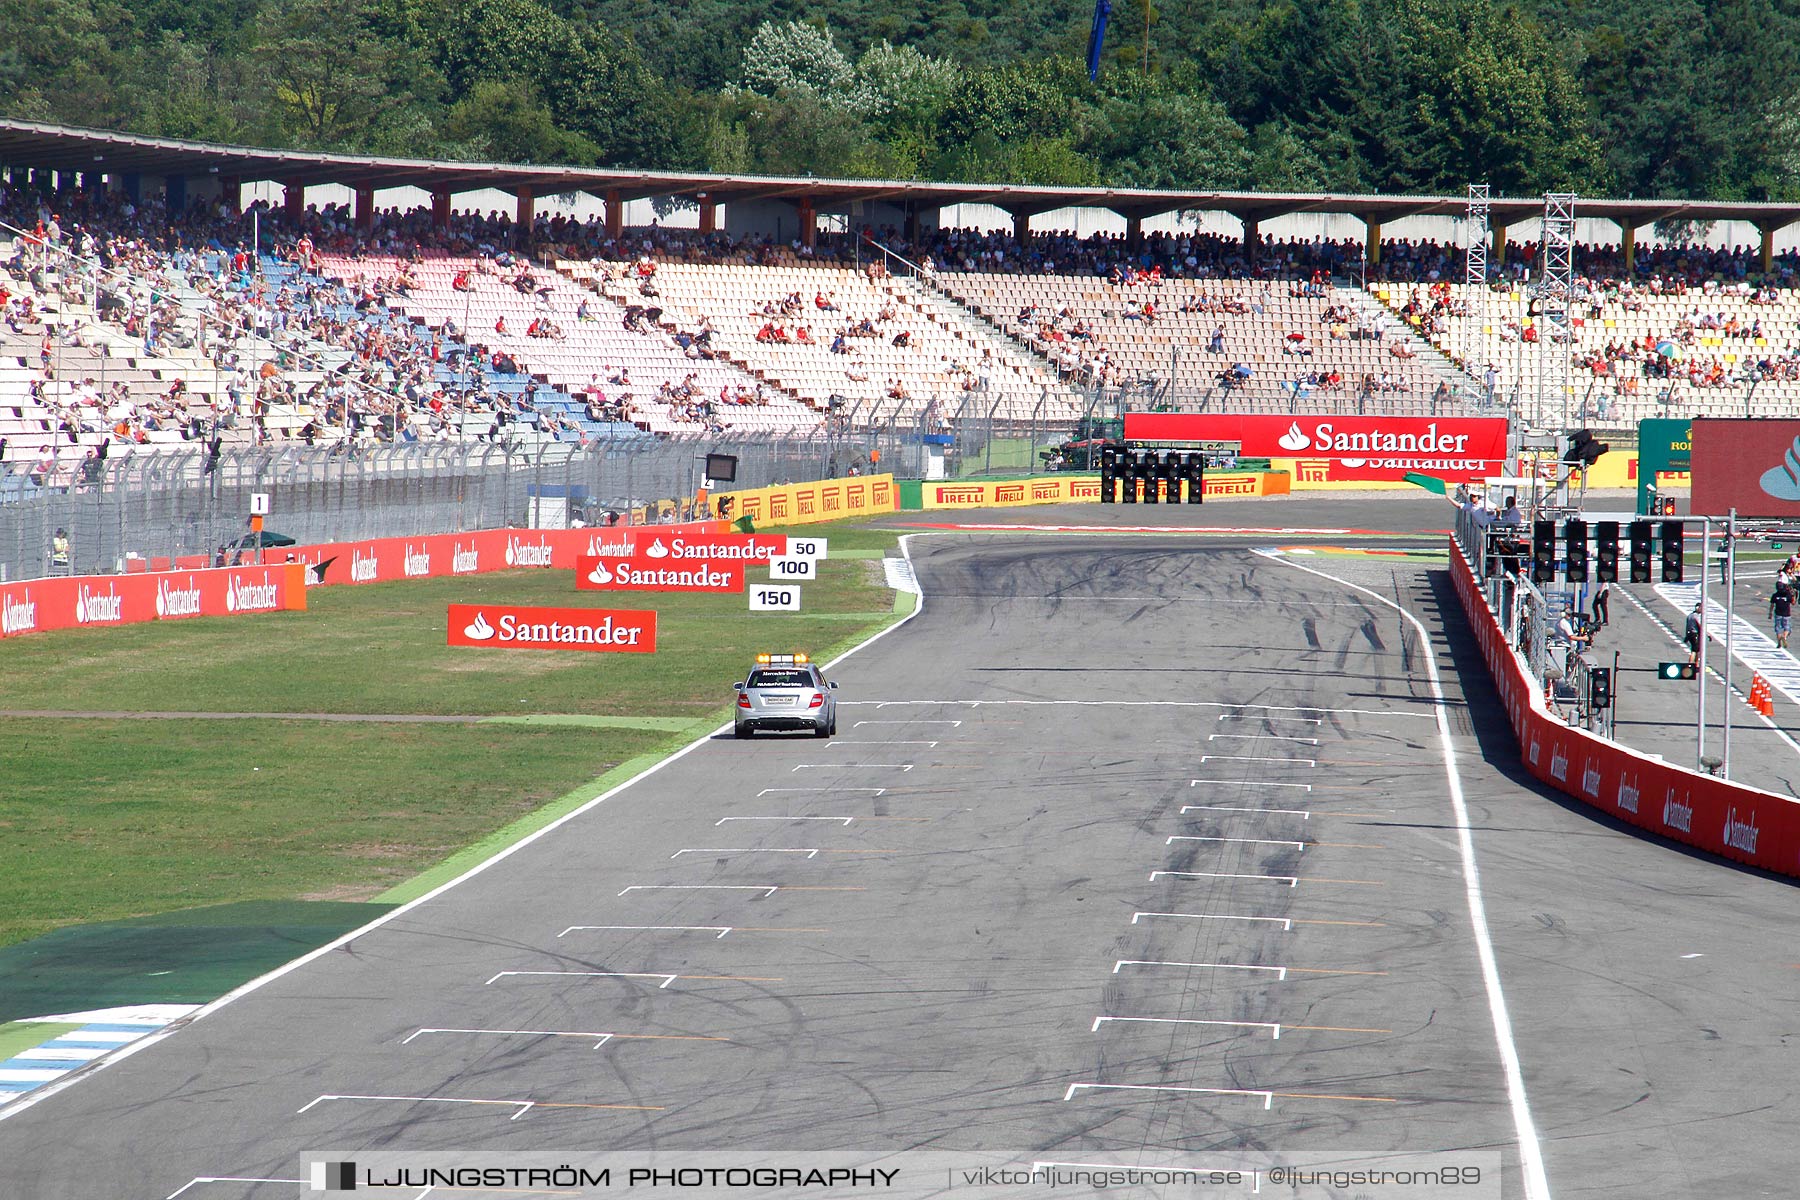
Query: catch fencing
186, 502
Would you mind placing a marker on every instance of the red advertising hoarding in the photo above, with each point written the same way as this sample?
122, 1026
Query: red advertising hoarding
512, 627
640, 574
698, 547
1374, 440
1750, 464
101, 601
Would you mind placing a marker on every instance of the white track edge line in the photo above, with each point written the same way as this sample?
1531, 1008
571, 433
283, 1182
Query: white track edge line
34, 1097
1531, 1155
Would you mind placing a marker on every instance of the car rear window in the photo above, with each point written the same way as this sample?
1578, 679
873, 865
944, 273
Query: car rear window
781, 679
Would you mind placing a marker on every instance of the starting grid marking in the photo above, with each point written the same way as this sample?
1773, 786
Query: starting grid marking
1292, 762
767, 889
719, 930
879, 791
1264, 737
1290, 880
1305, 787
851, 766
1268, 1097
1247, 841
1287, 923
666, 978
562, 1033
1273, 1027
203, 1179
524, 1106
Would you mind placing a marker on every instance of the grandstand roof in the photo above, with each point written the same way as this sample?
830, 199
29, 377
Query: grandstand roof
69, 148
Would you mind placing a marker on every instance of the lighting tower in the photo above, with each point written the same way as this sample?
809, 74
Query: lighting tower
1555, 289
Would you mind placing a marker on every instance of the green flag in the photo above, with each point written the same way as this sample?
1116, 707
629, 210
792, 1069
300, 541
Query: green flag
1430, 483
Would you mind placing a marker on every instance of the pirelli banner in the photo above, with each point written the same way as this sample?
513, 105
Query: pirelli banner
824, 500
1082, 489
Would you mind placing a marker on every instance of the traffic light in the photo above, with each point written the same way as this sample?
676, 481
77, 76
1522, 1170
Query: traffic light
1673, 546
1168, 470
1600, 693
1676, 670
1109, 474
1606, 542
1543, 551
1575, 549
1149, 469
1642, 533
1194, 467
1129, 474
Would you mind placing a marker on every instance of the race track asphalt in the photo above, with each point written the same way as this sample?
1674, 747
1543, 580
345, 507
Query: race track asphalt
1099, 819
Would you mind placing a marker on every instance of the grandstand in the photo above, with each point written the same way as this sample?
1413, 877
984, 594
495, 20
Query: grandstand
1294, 339
1636, 350
135, 320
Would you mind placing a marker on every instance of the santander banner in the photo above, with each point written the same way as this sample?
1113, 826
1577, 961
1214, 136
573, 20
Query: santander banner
1728, 819
101, 601
510, 627
1421, 443
1752, 465
641, 574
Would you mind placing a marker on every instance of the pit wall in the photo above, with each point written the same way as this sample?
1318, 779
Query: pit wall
1731, 820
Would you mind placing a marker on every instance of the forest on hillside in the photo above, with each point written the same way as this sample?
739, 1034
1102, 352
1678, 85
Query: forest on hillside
1604, 97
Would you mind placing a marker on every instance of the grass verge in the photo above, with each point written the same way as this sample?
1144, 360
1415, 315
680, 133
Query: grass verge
110, 820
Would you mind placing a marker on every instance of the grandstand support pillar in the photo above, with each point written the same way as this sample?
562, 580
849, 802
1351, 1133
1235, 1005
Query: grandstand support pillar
1499, 254
365, 208
1768, 247
293, 200
1628, 245
524, 211
133, 185
1252, 239
440, 211
231, 192
174, 194
912, 224
1372, 241
709, 213
809, 222
1021, 227
615, 213
1134, 233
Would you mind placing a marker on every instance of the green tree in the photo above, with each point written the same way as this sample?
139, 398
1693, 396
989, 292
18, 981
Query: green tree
331, 76
503, 122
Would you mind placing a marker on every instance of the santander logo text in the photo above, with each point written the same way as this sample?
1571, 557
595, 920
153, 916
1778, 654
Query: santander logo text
415, 564
242, 596
464, 562
648, 574
527, 554
172, 601
506, 627
18, 616
364, 570
1741, 835
95, 607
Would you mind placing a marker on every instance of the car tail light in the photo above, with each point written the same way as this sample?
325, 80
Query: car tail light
743, 699
818, 700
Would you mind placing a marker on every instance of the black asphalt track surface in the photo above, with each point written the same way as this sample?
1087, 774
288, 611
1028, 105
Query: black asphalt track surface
1012, 793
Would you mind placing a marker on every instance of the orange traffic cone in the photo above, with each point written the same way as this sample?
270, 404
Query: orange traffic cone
1760, 699
1768, 704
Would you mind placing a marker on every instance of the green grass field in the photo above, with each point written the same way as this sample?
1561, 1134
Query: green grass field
106, 819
